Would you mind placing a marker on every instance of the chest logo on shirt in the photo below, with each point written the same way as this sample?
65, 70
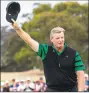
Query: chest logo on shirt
67, 56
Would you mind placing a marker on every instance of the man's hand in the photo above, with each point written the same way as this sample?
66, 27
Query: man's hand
15, 25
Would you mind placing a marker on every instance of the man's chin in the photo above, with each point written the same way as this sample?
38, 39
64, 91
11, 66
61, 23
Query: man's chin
60, 46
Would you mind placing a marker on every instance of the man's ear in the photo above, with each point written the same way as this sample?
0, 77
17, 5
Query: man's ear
51, 39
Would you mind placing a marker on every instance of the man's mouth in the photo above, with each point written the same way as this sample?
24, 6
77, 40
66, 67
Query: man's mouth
59, 43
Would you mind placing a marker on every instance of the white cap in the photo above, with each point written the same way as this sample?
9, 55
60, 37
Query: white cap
86, 75
22, 80
17, 80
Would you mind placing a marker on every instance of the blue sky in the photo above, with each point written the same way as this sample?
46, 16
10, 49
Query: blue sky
26, 7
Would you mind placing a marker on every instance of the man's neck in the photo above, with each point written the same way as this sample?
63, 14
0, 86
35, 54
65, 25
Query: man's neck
60, 49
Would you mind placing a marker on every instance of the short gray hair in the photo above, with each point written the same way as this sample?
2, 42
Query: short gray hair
56, 30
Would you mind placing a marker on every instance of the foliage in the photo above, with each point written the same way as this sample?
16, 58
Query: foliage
72, 16
42, 8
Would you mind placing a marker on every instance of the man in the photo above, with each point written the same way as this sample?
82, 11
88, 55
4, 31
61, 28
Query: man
63, 67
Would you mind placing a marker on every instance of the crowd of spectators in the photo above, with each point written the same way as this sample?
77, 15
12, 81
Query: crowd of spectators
23, 85
28, 85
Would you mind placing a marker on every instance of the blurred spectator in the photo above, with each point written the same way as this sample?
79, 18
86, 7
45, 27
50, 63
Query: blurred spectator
29, 86
37, 86
17, 82
42, 84
2, 85
21, 86
28, 81
88, 86
6, 87
14, 87
86, 83
13, 81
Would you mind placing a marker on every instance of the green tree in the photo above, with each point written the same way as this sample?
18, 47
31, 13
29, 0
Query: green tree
42, 8
72, 16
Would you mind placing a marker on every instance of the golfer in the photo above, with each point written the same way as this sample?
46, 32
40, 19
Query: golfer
63, 66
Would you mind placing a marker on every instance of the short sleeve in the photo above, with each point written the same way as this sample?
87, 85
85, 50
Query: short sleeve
79, 65
42, 50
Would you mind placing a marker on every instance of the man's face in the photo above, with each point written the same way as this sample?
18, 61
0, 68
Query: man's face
58, 40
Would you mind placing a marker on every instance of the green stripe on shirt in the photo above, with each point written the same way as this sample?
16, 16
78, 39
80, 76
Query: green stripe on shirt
79, 68
78, 63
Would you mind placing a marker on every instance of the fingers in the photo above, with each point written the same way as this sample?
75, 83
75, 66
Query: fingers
15, 25
13, 20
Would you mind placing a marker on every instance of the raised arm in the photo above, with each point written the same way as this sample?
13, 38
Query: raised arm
26, 37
